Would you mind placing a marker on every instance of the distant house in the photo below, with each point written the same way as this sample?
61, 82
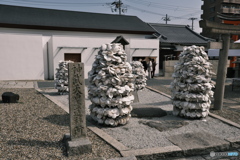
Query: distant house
34, 40
173, 38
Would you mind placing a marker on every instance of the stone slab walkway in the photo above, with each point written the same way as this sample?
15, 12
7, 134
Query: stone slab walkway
16, 84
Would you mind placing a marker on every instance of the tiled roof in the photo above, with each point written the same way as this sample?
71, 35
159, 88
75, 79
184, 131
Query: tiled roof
178, 34
36, 18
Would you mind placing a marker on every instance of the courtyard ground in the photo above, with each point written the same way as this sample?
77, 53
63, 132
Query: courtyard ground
34, 127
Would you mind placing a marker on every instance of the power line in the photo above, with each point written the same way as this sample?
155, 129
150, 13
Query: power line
51, 3
143, 10
155, 13
163, 6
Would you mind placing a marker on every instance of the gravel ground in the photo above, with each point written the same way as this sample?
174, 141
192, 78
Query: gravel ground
136, 129
231, 102
34, 127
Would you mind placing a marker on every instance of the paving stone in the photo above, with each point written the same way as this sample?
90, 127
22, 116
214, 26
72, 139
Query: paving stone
98, 158
154, 153
46, 84
124, 158
198, 143
16, 84
188, 158
234, 141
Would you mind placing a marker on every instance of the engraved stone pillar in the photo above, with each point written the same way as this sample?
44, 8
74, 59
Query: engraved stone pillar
77, 142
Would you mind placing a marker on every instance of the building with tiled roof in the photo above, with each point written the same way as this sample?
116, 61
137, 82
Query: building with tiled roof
34, 40
173, 38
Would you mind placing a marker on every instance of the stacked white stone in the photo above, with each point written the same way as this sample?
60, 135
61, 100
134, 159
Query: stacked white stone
61, 80
111, 86
192, 84
140, 75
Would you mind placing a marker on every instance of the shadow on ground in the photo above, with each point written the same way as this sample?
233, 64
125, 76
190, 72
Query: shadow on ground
38, 143
61, 120
148, 112
159, 103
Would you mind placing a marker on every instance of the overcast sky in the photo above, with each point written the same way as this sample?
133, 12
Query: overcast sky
179, 11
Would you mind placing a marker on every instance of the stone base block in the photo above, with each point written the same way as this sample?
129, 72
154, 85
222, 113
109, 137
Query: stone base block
77, 146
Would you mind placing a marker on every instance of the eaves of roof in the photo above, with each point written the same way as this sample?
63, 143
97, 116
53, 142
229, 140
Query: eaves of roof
178, 34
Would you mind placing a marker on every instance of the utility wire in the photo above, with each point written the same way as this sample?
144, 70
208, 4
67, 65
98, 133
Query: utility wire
52, 3
155, 13
163, 6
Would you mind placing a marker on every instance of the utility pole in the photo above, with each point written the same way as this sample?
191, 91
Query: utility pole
192, 19
166, 18
118, 6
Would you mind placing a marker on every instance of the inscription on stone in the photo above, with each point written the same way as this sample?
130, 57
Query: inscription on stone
77, 101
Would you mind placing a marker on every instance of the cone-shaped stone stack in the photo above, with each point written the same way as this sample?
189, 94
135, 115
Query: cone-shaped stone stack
61, 80
140, 75
192, 84
111, 86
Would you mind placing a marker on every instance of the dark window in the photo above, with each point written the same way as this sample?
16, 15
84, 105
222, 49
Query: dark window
212, 9
212, 19
75, 57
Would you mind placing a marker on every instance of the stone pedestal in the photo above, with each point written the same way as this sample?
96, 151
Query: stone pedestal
77, 146
77, 141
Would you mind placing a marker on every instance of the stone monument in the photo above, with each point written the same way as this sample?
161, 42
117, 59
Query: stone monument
77, 141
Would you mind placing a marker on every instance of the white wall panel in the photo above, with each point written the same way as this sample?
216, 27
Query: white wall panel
21, 57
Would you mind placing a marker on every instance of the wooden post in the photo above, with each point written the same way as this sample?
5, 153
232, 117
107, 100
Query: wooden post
221, 73
77, 141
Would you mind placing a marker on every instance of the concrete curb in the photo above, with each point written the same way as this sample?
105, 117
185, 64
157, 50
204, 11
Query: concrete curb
113, 142
150, 151
166, 95
224, 120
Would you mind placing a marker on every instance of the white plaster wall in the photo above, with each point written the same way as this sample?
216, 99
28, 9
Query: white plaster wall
21, 56
40, 48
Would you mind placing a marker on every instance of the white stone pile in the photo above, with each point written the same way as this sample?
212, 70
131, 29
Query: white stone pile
111, 86
140, 75
192, 84
61, 80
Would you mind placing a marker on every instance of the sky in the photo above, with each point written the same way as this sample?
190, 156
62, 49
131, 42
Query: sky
153, 11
